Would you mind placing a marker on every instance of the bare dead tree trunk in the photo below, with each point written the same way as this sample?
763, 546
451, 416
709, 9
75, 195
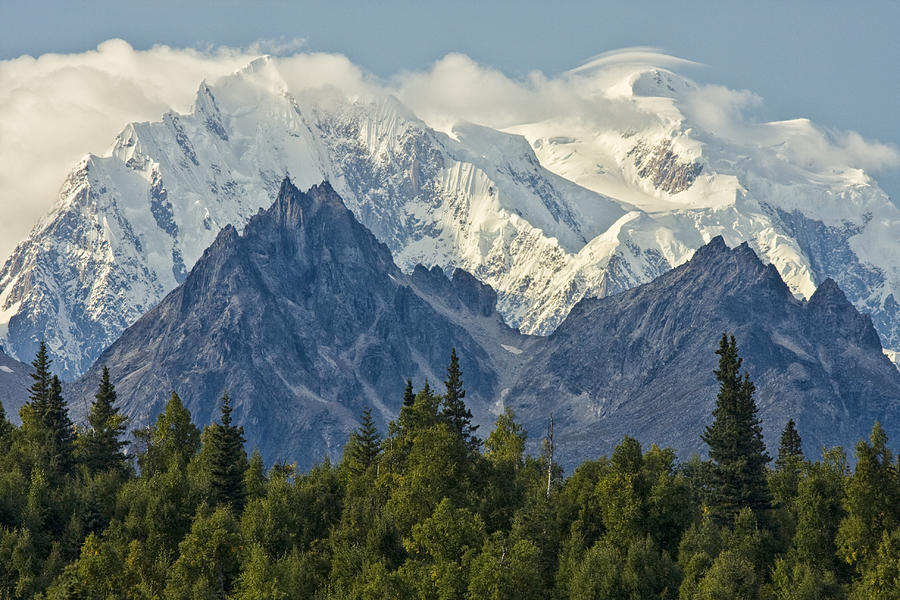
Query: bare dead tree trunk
549, 454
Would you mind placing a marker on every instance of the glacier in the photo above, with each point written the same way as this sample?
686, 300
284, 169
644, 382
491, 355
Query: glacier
546, 212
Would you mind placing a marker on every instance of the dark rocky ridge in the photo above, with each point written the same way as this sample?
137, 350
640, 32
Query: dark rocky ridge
641, 362
14, 384
305, 320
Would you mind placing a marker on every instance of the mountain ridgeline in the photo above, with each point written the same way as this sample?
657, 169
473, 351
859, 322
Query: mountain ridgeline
305, 320
546, 213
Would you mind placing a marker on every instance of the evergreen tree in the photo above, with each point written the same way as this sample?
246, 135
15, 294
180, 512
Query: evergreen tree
367, 444
409, 396
783, 481
173, 439
57, 421
40, 388
101, 446
457, 415
255, 480
228, 460
735, 440
422, 413
48, 433
6, 429
790, 452
33, 440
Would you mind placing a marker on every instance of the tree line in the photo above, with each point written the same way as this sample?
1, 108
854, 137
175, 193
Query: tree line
427, 509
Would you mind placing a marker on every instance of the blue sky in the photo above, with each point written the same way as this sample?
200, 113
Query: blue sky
834, 62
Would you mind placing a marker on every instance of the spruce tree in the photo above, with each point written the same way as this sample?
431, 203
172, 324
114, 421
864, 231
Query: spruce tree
455, 412
409, 396
61, 433
228, 460
736, 443
101, 446
47, 431
40, 388
790, 452
367, 442
785, 479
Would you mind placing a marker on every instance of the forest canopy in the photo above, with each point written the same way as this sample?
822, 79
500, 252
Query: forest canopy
427, 509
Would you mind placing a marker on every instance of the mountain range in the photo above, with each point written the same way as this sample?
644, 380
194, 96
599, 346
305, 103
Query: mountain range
546, 212
305, 319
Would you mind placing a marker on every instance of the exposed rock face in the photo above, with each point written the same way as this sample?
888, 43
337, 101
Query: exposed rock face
128, 226
305, 319
663, 167
14, 384
641, 362
546, 213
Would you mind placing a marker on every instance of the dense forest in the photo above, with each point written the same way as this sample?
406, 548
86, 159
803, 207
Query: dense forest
427, 509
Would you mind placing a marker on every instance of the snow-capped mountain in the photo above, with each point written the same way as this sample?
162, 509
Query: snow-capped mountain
546, 213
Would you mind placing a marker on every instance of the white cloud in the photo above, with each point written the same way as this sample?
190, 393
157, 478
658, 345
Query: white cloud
730, 115
55, 108
456, 88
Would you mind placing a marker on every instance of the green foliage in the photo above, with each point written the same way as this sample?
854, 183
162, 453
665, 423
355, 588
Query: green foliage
802, 581
428, 513
409, 396
638, 571
881, 576
364, 446
100, 446
46, 438
207, 557
6, 431
731, 575
172, 439
871, 501
791, 447
818, 512
735, 442
227, 461
441, 549
505, 570
454, 410
255, 477
502, 471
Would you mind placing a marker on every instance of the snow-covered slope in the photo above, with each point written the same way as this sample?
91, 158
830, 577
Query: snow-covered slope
546, 213
697, 178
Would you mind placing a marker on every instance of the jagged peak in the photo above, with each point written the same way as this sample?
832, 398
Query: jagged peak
713, 247
828, 292
291, 203
743, 250
716, 248
204, 100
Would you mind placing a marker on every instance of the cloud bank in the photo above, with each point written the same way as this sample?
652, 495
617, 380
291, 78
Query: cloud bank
56, 108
